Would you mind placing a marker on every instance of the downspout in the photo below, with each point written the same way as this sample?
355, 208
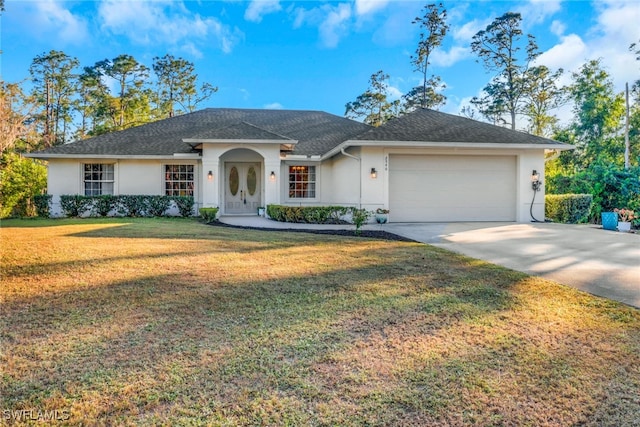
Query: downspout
359, 171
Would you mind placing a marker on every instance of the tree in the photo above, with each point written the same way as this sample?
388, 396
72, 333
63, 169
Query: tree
53, 89
426, 96
16, 116
91, 103
177, 85
20, 180
433, 28
498, 47
541, 95
598, 114
373, 105
129, 106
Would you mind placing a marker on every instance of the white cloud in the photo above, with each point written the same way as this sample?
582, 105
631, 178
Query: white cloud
537, 11
615, 29
558, 28
364, 7
446, 59
259, 8
333, 22
335, 25
466, 32
569, 54
50, 16
165, 21
394, 93
274, 106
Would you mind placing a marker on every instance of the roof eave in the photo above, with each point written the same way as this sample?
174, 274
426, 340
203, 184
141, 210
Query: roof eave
238, 141
435, 144
174, 156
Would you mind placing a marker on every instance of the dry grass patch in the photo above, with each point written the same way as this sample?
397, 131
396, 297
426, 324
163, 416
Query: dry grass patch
167, 321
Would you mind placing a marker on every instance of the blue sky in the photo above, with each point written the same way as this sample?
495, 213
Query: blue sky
307, 54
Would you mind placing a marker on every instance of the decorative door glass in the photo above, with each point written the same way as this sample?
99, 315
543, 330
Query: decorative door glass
234, 181
252, 181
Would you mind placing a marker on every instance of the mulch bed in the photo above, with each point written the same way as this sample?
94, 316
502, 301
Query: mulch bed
372, 234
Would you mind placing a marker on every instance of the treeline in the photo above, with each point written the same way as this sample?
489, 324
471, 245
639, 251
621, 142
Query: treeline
605, 128
68, 101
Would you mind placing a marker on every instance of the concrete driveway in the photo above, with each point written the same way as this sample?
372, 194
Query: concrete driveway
604, 263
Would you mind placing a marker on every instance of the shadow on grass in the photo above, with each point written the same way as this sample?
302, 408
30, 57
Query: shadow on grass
104, 338
407, 334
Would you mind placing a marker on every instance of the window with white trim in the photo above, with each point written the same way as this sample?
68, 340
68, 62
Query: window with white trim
178, 180
302, 182
98, 179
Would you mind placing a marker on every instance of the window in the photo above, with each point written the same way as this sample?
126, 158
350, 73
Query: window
178, 180
302, 182
98, 179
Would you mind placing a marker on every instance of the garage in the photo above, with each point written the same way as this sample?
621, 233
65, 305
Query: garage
444, 188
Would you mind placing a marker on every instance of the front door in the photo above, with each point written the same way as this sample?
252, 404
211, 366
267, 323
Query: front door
243, 188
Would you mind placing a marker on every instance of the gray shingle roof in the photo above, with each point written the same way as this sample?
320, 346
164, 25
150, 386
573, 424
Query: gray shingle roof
317, 132
434, 126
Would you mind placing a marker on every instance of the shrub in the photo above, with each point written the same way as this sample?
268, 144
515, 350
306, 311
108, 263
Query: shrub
158, 205
103, 204
133, 206
75, 205
43, 205
359, 217
21, 179
568, 208
318, 214
208, 214
307, 214
184, 204
611, 186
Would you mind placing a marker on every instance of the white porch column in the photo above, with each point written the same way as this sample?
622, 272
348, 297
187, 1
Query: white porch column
273, 184
211, 186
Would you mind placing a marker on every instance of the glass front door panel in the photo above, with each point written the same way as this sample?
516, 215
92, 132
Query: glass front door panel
243, 188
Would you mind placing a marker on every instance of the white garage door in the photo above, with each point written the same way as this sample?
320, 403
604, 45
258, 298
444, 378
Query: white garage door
452, 188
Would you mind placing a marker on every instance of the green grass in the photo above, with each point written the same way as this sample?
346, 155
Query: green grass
170, 321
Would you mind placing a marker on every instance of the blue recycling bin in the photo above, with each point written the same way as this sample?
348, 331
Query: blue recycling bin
610, 221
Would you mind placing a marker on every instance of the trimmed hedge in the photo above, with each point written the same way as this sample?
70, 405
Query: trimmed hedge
307, 214
319, 214
124, 205
75, 204
568, 208
208, 214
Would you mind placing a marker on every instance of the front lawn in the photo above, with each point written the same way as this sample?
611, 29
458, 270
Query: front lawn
170, 321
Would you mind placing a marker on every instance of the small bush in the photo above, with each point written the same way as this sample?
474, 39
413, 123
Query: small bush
104, 204
75, 205
158, 205
133, 206
359, 217
43, 205
568, 208
208, 214
185, 205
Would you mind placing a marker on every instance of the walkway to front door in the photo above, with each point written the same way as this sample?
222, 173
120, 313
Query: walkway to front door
243, 188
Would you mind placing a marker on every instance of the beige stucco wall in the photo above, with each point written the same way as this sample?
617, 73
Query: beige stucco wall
341, 180
214, 157
134, 177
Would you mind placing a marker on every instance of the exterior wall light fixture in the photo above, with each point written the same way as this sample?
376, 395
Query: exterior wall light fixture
374, 173
272, 177
210, 176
